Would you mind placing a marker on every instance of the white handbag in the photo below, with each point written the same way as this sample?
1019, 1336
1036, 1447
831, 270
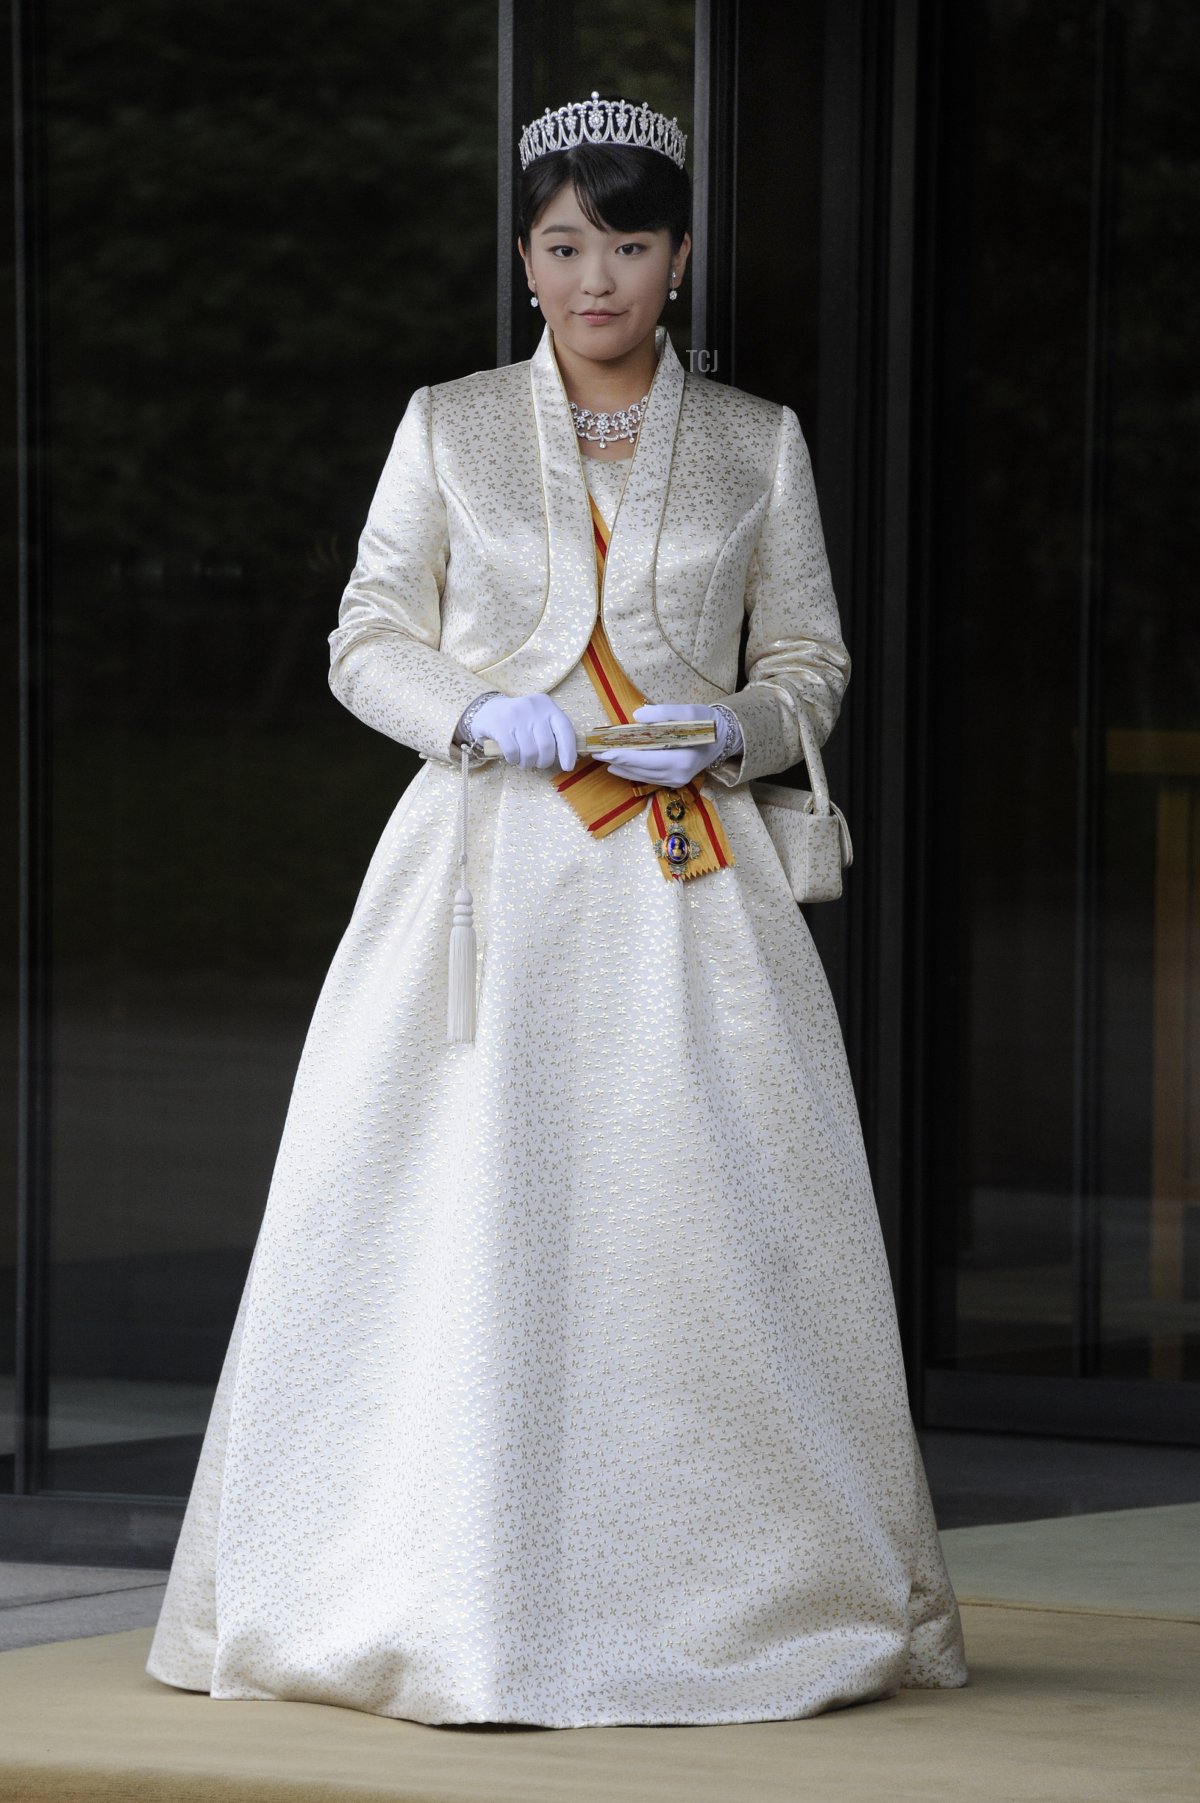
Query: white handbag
808, 831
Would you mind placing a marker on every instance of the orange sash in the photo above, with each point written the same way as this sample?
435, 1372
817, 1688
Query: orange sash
685, 829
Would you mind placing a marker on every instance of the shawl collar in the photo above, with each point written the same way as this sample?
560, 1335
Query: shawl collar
628, 608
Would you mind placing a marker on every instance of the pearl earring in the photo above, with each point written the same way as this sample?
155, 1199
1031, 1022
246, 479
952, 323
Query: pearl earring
533, 300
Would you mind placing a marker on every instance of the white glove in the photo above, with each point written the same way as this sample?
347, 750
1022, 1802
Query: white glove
531, 730
671, 769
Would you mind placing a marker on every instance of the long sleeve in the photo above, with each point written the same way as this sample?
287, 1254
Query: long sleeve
795, 657
385, 665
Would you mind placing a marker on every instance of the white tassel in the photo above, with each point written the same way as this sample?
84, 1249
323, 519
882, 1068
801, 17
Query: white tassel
460, 1006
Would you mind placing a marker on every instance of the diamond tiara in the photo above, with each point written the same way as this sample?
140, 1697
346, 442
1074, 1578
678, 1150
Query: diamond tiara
599, 121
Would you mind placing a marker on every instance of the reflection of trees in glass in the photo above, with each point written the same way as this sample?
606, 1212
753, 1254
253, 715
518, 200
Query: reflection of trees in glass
1027, 231
267, 225
1152, 550
1021, 248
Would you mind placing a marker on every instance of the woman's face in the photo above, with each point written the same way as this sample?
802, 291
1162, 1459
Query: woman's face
577, 269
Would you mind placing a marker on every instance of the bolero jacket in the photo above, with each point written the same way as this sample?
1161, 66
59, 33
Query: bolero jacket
476, 569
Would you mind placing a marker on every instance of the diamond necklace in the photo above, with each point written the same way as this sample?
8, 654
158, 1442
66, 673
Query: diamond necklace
606, 428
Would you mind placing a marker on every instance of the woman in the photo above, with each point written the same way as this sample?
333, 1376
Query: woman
566, 1387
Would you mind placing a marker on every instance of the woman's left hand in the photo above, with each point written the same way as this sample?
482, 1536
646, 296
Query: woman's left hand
669, 769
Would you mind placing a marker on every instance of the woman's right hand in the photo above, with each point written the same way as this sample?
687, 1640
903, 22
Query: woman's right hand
531, 730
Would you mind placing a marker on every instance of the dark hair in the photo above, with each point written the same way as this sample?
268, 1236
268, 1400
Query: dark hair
621, 187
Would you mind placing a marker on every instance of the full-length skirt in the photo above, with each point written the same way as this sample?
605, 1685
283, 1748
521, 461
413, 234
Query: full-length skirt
566, 1386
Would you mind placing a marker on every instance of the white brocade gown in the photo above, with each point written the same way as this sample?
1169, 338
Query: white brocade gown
566, 1386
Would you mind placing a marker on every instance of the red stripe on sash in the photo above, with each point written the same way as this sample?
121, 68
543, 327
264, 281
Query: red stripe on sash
722, 860
622, 717
635, 801
573, 776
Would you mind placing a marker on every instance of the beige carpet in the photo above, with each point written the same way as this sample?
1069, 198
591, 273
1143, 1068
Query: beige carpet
1083, 1639
1120, 1562
1061, 1706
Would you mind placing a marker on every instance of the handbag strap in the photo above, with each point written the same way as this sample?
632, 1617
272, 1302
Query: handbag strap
814, 761
810, 748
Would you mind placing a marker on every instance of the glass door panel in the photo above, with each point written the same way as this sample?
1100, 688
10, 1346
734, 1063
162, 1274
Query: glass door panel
263, 229
1065, 944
